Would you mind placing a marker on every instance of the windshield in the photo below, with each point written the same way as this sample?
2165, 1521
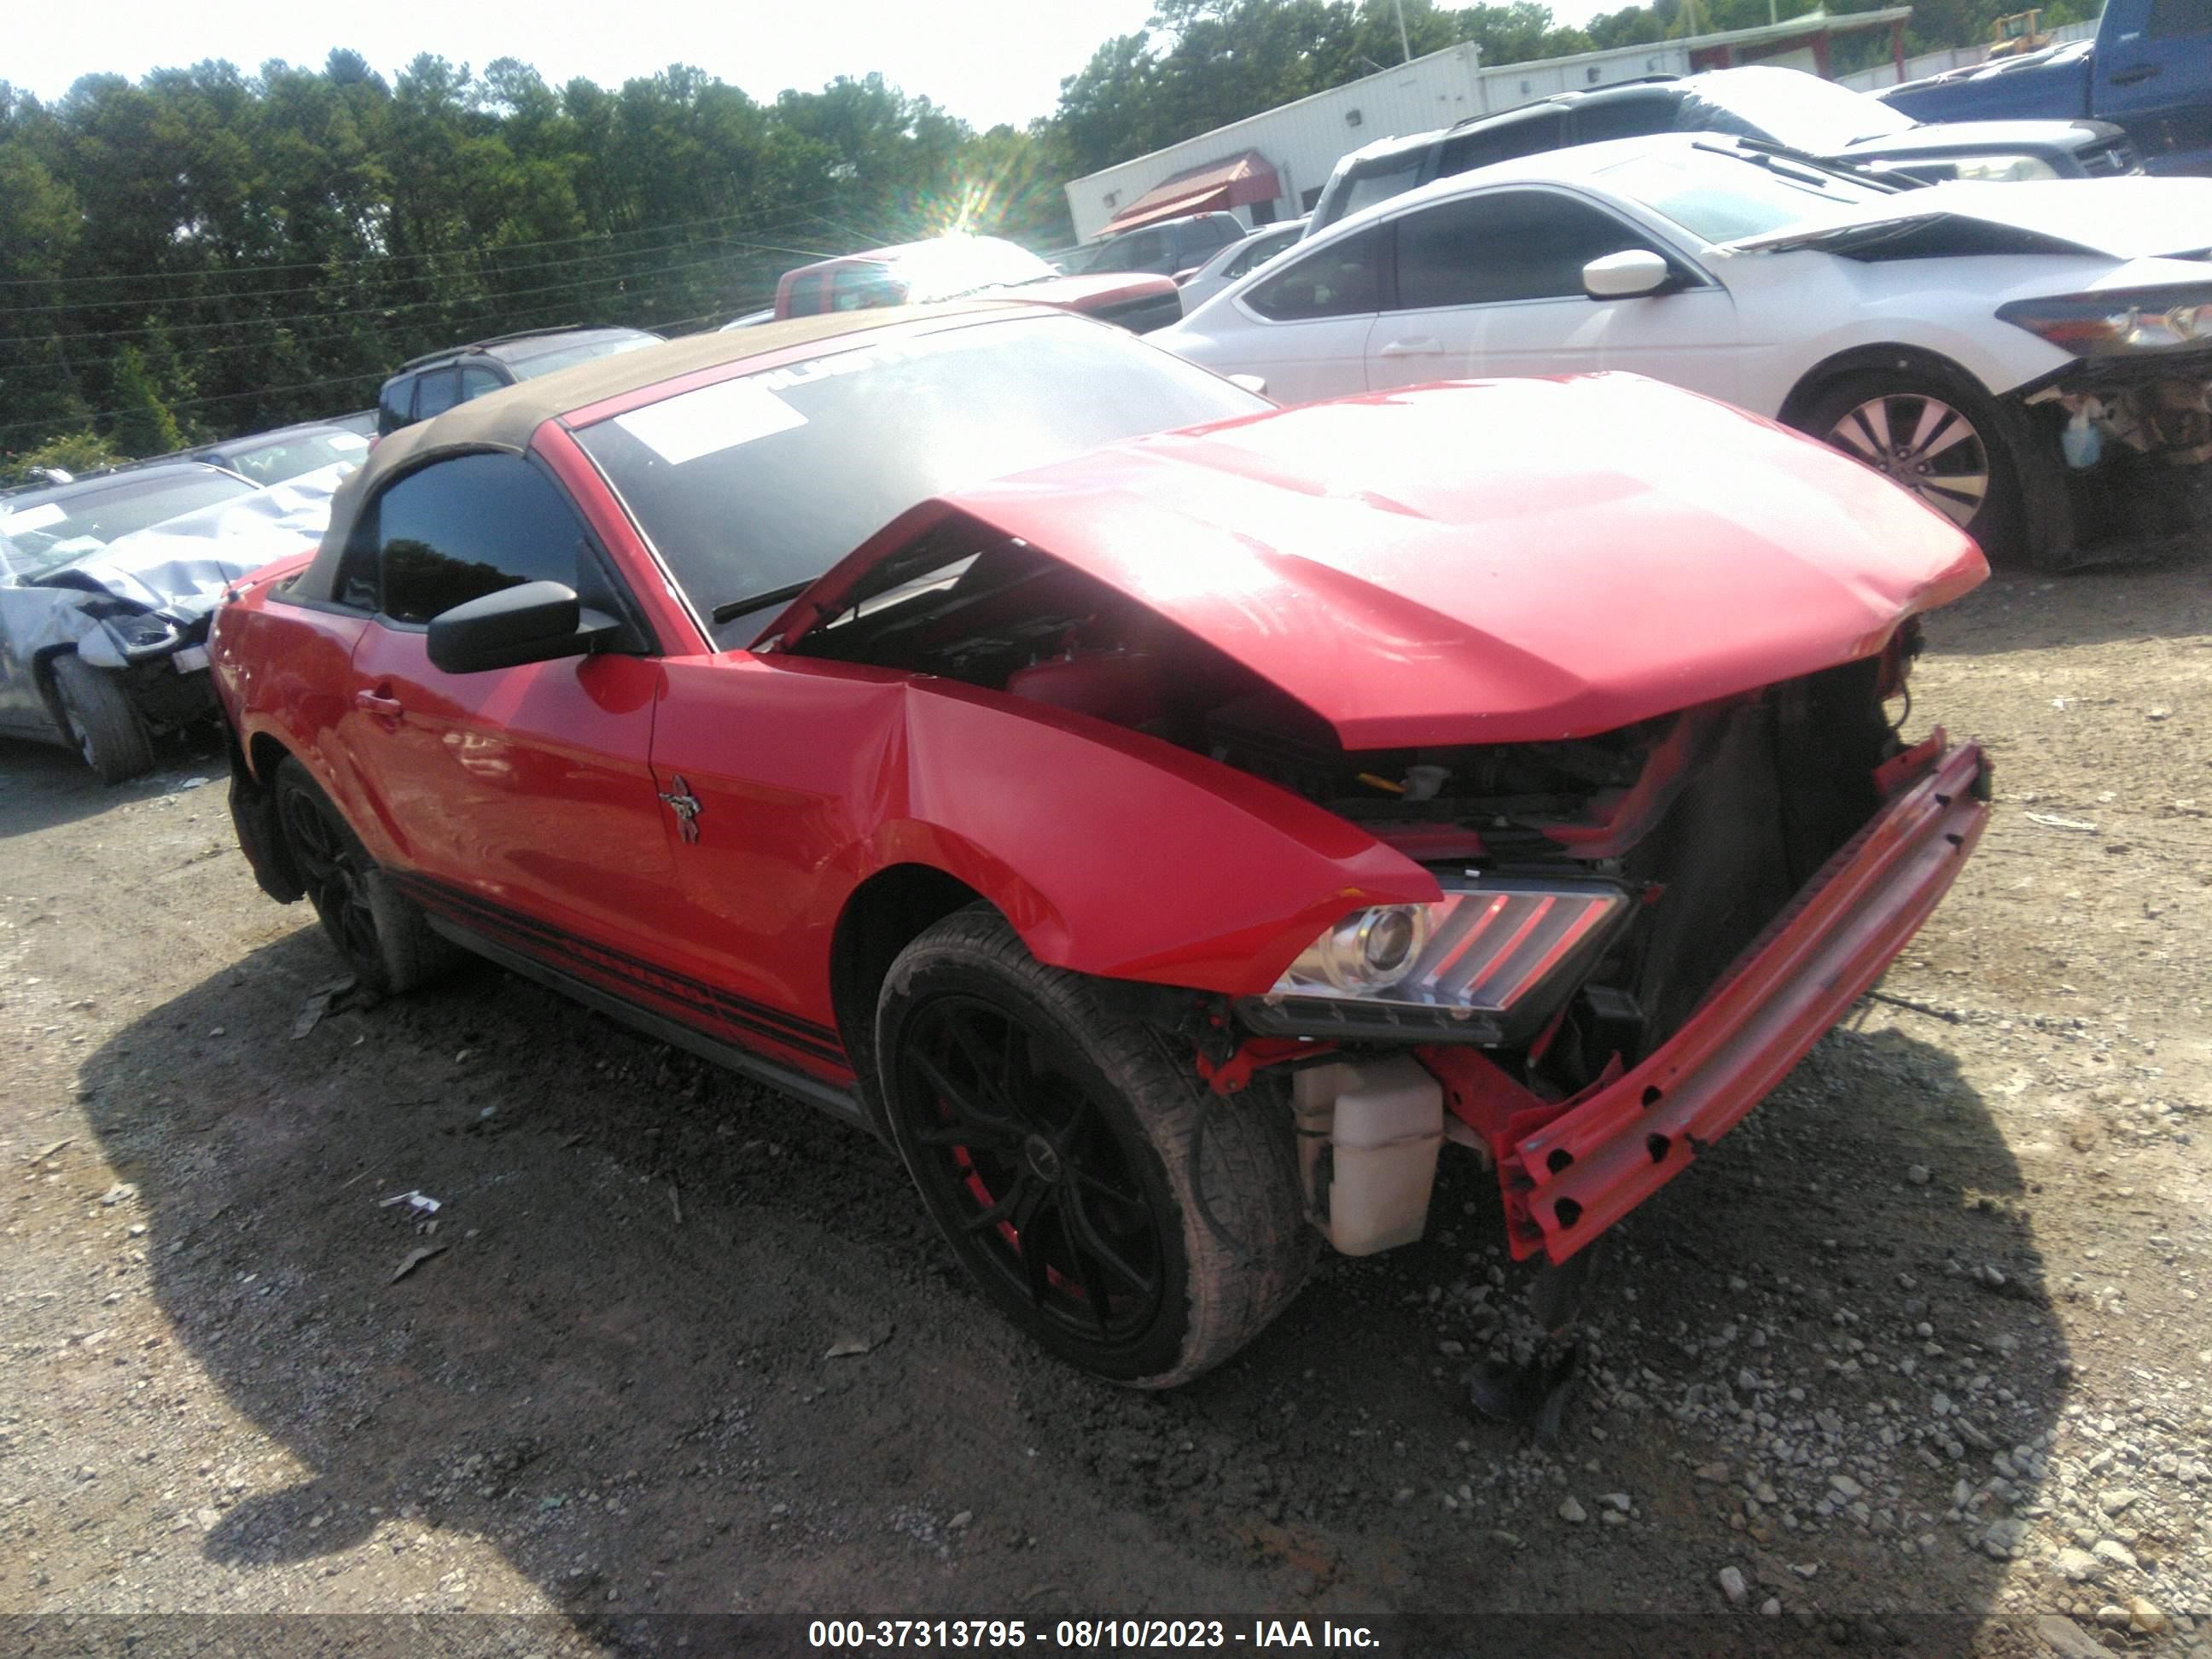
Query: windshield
1718, 199
48, 528
1788, 107
750, 485
953, 265
276, 459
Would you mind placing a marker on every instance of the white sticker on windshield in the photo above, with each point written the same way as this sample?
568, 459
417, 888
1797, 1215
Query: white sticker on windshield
348, 440
34, 518
708, 421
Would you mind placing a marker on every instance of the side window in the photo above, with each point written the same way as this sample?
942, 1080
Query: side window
476, 379
395, 404
1143, 250
1527, 135
1627, 115
806, 295
1340, 280
460, 529
436, 390
1503, 246
2173, 20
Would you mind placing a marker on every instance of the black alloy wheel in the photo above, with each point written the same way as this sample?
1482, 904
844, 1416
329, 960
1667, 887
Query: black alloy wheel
333, 872
1128, 1223
1014, 1144
384, 937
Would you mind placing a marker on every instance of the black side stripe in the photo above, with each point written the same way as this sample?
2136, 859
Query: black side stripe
538, 938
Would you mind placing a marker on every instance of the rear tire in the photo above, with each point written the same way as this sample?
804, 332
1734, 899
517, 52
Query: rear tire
1942, 441
1051, 1138
384, 937
110, 731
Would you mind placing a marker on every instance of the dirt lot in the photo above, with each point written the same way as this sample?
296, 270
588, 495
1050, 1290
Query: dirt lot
1921, 1352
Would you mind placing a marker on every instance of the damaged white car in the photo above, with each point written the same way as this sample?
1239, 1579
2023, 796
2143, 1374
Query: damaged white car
2031, 360
105, 588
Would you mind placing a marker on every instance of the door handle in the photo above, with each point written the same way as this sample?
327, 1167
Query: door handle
2129, 77
1420, 348
377, 703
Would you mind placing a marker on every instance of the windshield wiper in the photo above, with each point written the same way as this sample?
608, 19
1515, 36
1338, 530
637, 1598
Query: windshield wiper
731, 610
1765, 153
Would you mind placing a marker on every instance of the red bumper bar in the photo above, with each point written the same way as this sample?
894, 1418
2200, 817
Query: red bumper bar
1572, 1176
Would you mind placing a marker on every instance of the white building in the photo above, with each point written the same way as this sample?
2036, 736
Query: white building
1272, 166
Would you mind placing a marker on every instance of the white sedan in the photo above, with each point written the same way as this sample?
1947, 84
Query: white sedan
2033, 360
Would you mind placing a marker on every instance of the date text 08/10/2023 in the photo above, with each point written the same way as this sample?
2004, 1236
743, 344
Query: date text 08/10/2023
1083, 1635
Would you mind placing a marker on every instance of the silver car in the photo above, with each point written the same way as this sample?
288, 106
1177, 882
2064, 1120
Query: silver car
106, 585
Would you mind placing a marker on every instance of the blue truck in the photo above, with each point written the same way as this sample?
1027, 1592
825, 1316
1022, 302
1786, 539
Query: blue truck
2148, 70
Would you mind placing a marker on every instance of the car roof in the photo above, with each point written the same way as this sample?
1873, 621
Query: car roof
486, 347
1576, 164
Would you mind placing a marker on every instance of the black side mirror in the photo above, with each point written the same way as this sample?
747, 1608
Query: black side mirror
534, 621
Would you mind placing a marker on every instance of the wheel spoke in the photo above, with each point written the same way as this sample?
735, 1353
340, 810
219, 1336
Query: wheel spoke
1106, 1189
990, 1216
971, 1134
1854, 432
1034, 1266
965, 1042
960, 1103
1086, 1268
1106, 1257
1936, 417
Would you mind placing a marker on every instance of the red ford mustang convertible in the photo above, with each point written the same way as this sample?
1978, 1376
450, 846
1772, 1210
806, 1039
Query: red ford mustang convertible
1168, 819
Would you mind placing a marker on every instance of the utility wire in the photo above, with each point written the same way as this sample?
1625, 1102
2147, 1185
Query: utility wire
148, 330
383, 259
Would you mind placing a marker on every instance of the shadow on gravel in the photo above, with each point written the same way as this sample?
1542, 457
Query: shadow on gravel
42, 786
612, 1365
2016, 612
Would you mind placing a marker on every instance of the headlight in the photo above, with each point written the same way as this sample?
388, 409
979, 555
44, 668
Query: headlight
141, 631
1485, 963
2002, 169
2115, 324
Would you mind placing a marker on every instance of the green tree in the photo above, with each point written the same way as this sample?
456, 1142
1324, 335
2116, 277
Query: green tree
143, 425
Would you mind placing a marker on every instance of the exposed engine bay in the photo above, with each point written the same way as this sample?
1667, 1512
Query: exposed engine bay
1709, 819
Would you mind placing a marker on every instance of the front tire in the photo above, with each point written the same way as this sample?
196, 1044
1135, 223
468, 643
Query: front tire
384, 937
1943, 442
110, 733
1051, 1139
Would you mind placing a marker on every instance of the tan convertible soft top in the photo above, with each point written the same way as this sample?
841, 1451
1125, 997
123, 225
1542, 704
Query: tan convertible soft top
505, 419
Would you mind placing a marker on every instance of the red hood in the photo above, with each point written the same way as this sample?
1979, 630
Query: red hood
1086, 292
1493, 561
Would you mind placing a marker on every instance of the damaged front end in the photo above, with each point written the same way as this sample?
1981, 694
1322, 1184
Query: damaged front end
2132, 418
1626, 733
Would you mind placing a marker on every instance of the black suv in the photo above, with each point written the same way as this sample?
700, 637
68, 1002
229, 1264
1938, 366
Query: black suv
432, 385
1165, 248
1780, 106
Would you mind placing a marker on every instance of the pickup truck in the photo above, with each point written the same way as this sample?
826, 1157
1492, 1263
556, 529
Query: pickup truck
2148, 70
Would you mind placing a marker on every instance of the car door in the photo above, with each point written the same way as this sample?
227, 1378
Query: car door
525, 792
1490, 283
2155, 80
1304, 330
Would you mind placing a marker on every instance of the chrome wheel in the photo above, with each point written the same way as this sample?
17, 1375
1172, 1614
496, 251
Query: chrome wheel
1922, 443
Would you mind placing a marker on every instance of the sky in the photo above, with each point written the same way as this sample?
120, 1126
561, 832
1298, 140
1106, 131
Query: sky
985, 61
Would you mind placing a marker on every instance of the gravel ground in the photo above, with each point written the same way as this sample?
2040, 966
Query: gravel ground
1917, 1357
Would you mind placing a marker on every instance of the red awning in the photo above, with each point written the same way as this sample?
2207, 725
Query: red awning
1241, 180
